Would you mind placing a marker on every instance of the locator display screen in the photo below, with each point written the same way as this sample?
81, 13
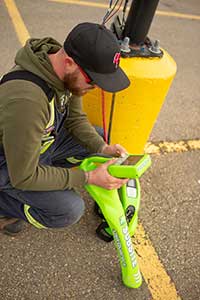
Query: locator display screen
132, 160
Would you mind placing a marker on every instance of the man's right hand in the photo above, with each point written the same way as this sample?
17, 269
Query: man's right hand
102, 178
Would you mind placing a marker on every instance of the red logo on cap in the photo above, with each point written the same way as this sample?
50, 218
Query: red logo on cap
116, 59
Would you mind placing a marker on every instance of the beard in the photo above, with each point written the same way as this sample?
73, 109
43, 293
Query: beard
71, 84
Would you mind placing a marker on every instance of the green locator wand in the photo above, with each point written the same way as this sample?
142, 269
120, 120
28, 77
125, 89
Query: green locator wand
120, 208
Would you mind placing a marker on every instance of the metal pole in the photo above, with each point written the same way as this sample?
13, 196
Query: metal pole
139, 20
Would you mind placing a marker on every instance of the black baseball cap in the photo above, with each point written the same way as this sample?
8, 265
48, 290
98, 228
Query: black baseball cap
96, 50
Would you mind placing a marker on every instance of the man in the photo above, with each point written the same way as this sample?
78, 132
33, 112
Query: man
40, 137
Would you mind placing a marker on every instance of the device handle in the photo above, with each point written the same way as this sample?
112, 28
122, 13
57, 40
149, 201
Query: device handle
91, 163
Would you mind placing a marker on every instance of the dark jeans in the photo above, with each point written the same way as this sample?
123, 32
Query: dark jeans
49, 208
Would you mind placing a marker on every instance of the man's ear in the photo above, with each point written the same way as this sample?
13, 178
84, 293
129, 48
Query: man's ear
69, 65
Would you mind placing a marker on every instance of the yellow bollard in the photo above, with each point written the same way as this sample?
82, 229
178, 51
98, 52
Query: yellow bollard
131, 114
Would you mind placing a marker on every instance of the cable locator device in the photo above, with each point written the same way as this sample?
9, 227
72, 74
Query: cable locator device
119, 208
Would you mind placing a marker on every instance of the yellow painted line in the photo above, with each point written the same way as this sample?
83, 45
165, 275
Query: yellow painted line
170, 147
177, 15
159, 283
17, 21
82, 3
101, 5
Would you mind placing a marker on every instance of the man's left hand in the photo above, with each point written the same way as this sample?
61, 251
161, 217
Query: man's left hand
114, 150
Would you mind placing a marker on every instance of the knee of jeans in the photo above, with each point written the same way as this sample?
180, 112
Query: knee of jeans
74, 212
68, 214
63, 209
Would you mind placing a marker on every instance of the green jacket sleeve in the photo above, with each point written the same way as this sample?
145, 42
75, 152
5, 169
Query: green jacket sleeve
78, 125
24, 121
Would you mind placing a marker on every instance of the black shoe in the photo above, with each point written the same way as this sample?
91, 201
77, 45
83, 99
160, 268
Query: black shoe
10, 226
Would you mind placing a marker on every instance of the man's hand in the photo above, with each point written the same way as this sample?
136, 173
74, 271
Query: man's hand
114, 150
101, 177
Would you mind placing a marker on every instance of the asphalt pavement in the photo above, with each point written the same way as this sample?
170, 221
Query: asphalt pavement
73, 263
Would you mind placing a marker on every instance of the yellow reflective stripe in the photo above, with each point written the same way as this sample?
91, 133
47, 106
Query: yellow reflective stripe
45, 146
31, 219
47, 137
52, 113
73, 160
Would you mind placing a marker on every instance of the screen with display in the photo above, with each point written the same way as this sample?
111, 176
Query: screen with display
132, 160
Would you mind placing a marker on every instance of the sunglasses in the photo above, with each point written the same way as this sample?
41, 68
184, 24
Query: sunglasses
86, 76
